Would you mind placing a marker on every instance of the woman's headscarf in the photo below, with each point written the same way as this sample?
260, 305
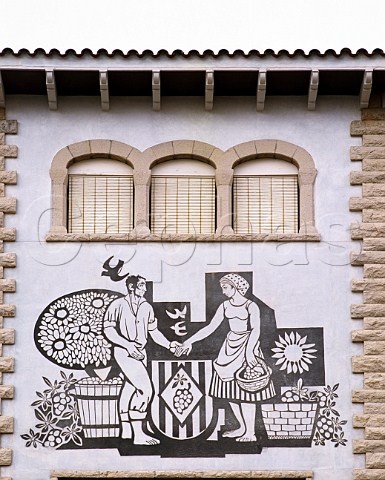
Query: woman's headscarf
238, 282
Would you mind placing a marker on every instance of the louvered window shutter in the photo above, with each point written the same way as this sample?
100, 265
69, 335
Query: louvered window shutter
100, 204
184, 204
265, 204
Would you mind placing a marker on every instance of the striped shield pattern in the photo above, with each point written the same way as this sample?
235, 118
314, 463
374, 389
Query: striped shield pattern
181, 408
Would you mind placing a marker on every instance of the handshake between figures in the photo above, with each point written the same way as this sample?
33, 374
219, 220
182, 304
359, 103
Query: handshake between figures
179, 349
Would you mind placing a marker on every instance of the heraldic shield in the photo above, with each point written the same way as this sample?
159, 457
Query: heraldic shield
181, 408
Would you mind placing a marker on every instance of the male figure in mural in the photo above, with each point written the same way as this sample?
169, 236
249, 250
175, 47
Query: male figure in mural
127, 323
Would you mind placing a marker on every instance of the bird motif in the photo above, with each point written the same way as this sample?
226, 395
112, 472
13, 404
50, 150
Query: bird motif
113, 272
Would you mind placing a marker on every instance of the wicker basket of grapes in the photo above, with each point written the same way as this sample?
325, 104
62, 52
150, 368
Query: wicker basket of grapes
253, 379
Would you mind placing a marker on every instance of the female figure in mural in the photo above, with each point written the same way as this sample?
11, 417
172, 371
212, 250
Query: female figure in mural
240, 346
127, 323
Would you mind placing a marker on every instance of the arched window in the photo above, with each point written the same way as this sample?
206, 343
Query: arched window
265, 197
100, 197
182, 197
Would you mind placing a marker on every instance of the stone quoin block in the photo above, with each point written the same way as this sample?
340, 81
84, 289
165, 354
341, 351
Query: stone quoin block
8, 126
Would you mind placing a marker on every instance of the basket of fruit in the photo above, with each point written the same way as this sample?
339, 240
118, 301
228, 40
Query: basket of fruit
98, 406
253, 379
293, 418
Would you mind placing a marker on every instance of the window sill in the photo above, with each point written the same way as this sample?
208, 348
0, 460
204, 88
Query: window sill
135, 237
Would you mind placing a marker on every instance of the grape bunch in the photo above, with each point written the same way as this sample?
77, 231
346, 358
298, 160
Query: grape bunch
53, 439
60, 402
325, 427
252, 373
289, 397
182, 399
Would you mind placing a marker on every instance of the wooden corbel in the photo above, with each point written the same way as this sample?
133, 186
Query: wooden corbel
209, 90
2, 93
51, 89
261, 90
104, 90
366, 88
313, 90
156, 90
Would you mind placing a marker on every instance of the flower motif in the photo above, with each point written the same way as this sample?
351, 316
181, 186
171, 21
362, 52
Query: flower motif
48, 421
71, 433
57, 342
331, 391
318, 440
328, 409
293, 354
97, 304
339, 440
32, 438
85, 329
338, 423
44, 400
67, 382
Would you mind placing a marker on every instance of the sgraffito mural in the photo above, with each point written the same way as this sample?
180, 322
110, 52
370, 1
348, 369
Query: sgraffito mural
142, 377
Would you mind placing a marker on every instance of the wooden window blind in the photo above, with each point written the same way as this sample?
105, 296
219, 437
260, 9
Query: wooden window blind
182, 204
100, 203
265, 204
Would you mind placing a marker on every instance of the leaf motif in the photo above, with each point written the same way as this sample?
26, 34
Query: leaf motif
25, 436
335, 387
47, 381
77, 440
39, 415
299, 384
174, 385
313, 395
335, 412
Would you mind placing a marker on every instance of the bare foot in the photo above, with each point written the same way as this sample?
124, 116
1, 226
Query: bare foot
143, 439
247, 438
238, 432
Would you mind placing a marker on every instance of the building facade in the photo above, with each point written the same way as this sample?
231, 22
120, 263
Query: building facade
192, 265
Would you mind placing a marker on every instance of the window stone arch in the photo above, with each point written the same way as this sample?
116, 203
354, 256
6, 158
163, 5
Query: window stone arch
274, 149
88, 149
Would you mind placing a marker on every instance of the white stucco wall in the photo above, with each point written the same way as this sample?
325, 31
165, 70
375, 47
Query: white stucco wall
308, 285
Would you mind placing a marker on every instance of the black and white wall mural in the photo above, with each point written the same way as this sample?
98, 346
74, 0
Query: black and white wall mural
142, 377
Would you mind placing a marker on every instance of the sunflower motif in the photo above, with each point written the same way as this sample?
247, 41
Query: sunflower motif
61, 312
85, 329
293, 354
96, 304
57, 342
